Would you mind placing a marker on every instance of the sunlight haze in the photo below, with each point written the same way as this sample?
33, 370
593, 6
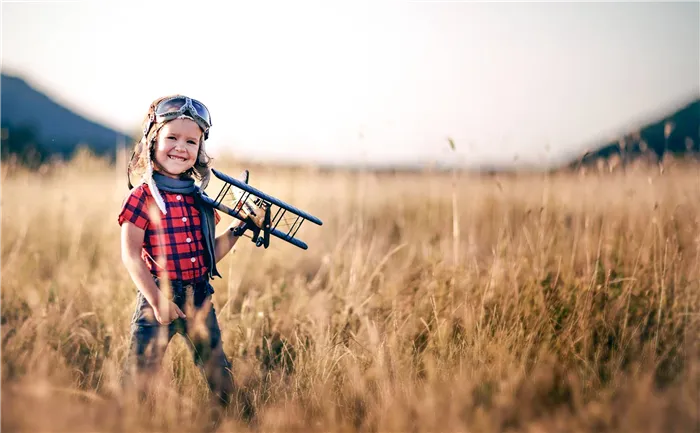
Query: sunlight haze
368, 82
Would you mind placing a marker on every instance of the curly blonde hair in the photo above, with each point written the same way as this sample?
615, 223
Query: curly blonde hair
144, 150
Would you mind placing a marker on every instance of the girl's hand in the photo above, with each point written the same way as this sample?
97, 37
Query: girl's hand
170, 313
235, 224
249, 209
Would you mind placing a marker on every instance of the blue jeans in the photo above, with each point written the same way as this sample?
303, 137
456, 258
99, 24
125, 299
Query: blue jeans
149, 338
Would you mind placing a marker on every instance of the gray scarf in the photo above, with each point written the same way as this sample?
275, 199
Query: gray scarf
206, 212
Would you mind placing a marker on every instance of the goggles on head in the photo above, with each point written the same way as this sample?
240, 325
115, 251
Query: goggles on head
176, 106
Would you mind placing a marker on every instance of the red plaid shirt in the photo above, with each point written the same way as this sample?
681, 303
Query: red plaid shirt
180, 231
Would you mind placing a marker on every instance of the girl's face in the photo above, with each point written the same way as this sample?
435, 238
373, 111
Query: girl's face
177, 147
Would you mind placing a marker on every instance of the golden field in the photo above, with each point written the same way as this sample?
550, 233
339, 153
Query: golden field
519, 303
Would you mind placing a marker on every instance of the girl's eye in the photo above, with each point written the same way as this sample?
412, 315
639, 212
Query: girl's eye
191, 142
171, 138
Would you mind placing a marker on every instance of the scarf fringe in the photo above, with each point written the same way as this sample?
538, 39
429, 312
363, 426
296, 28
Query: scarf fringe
154, 189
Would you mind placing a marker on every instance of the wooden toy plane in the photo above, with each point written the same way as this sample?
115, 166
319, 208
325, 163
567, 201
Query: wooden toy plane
272, 216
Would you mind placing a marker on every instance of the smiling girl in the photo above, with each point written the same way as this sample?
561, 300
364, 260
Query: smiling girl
169, 247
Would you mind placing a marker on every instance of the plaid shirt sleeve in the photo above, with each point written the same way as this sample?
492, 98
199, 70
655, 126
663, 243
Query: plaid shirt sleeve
134, 209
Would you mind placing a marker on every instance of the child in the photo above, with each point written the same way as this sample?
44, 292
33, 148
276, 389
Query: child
169, 246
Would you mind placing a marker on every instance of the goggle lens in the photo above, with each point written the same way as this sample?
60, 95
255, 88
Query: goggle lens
201, 111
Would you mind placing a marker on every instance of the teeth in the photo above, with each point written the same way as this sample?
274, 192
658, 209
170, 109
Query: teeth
176, 158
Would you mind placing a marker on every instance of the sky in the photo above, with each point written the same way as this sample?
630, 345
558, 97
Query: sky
368, 82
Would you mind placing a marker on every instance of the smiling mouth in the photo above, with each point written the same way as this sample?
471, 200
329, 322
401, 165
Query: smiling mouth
177, 158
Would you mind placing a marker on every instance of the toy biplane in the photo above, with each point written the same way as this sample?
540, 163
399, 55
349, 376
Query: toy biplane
278, 218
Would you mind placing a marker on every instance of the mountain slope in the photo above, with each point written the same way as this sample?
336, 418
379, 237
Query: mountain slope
31, 118
676, 134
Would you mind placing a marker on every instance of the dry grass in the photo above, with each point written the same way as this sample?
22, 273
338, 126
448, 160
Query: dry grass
573, 306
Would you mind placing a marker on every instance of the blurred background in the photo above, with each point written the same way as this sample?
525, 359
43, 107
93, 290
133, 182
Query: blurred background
380, 84
558, 300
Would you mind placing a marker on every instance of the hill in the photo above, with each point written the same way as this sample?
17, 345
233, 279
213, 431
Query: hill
34, 124
676, 134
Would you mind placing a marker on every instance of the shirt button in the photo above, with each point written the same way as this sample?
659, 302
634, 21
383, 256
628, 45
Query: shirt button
179, 197
184, 219
193, 260
188, 240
